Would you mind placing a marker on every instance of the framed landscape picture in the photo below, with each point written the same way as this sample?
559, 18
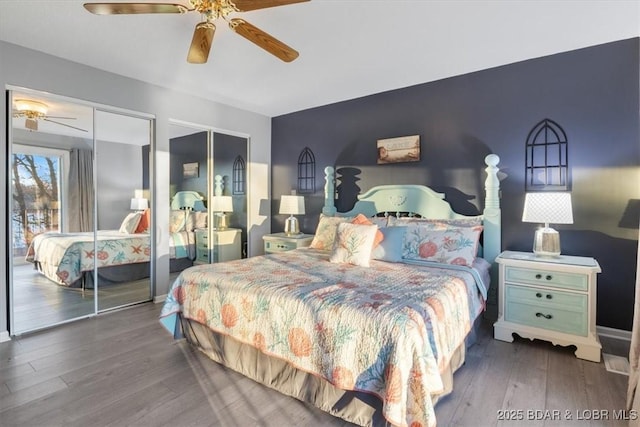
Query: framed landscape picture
190, 170
398, 150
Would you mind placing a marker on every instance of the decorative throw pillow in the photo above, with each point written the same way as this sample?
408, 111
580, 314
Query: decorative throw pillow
436, 224
145, 220
130, 223
199, 219
353, 244
454, 245
326, 231
177, 220
361, 219
390, 249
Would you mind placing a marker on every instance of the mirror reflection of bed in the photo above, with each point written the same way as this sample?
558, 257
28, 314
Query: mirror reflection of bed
100, 163
198, 157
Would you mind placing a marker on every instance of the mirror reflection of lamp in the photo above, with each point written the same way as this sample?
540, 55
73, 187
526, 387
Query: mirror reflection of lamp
291, 205
220, 205
139, 204
546, 208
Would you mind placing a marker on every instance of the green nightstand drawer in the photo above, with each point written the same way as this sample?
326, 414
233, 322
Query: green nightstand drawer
578, 282
563, 312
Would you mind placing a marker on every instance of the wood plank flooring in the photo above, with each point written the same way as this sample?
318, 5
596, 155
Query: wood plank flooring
38, 302
123, 369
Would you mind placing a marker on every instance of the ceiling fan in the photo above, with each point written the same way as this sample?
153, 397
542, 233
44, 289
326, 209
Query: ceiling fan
33, 111
210, 11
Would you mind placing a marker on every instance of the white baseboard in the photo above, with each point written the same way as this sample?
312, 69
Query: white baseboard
159, 299
618, 334
4, 336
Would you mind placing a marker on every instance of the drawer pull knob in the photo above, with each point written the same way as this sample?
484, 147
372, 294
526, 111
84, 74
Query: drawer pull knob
549, 277
538, 276
549, 296
539, 295
546, 316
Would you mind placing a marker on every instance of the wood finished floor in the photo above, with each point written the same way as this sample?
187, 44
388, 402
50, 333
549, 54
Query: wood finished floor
39, 302
123, 369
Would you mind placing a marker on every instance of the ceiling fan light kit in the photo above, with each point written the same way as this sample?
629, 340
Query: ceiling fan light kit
33, 111
204, 31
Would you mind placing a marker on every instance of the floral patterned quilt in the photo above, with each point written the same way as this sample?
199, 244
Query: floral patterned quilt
62, 257
388, 329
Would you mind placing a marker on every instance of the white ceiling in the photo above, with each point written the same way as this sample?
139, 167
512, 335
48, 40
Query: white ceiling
348, 48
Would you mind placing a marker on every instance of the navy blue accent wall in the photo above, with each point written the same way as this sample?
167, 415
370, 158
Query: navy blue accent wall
593, 93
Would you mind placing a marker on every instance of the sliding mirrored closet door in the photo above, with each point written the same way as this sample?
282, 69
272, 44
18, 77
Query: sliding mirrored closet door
208, 178
66, 191
123, 254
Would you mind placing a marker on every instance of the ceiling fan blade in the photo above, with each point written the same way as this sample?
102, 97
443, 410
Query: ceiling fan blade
263, 40
247, 5
58, 117
62, 124
131, 8
201, 43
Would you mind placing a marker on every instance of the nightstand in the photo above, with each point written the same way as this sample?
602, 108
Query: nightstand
553, 299
225, 247
280, 242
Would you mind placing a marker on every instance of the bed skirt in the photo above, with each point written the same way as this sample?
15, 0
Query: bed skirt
359, 408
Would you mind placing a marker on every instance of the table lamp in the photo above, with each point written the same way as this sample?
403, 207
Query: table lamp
546, 208
220, 205
139, 204
292, 205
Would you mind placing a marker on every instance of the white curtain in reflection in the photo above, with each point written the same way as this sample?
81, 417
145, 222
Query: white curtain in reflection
80, 212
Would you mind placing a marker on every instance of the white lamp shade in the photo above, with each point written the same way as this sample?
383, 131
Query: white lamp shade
222, 204
292, 205
139, 204
548, 208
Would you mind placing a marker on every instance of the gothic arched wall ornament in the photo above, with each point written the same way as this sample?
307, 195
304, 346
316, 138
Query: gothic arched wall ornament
546, 158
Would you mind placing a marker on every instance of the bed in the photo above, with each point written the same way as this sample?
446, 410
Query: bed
67, 259
371, 334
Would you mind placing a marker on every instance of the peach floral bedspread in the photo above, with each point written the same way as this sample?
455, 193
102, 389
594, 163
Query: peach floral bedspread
389, 329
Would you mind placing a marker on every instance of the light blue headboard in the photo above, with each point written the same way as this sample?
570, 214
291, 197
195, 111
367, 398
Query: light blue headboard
190, 200
422, 200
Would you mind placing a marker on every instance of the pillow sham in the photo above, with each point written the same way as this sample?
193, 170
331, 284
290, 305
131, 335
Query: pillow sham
454, 245
326, 231
143, 224
361, 219
177, 220
195, 220
436, 223
130, 223
353, 244
390, 249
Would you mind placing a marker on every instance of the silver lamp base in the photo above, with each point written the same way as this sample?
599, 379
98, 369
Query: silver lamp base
291, 226
220, 221
546, 242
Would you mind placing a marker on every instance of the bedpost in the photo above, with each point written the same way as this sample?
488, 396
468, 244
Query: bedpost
492, 242
329, 207
217, 191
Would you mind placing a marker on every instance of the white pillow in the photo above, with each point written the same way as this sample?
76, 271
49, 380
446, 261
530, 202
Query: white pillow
130, 223
353, 244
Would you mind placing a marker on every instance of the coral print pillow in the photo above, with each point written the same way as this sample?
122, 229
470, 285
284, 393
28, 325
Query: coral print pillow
361, 219
177, 220
326, 231
454, 245
353, 244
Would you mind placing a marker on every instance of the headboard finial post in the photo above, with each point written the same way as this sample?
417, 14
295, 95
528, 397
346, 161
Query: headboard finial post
217, 191
329, 207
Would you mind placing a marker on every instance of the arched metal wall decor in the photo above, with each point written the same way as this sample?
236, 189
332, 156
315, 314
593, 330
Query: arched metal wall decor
239, 176
306, 172
546, 161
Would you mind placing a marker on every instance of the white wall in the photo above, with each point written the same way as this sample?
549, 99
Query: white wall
35, 70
